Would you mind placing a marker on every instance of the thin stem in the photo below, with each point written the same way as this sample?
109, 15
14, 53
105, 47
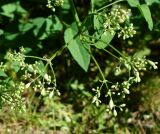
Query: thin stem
103, 50
92, 37
110, 5
92, 6
111, 54
57, 53
35, 57
52, 71
85, 41
103, 77
49, 62
33, 80
105, 42
74, 12
100, 70
116, 50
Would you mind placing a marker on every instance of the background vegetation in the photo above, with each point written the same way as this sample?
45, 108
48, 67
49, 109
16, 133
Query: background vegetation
41, 103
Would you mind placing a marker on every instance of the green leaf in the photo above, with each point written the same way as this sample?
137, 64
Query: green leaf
1, 32
99, 3
150, 2
96, 22
20, 9
2, 73
65, 7
11, 36
23, 27
78, 50
57, 25
105, 39
133, 3
8, 10
16, 66
145, 11
46, 26
39, 24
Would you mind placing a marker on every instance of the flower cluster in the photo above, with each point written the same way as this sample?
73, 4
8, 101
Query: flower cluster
116, 21
97, 95
136, 65
127, 32
19, 76
11, 93
142, 63
121, 89
54, 3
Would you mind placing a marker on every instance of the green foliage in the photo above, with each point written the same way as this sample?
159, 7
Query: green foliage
147, 15
8, 10
150, 2
2, 73
80, 63
105, 39
79, 51
145, 11
133, 3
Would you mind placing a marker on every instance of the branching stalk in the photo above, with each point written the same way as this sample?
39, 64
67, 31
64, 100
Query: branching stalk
100, 70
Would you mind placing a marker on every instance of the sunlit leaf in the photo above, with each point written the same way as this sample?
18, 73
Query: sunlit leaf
145, 11
76, 48
105, 39
2, 73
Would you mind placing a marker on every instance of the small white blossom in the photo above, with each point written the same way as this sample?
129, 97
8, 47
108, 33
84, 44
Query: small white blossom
111, 104
27, 85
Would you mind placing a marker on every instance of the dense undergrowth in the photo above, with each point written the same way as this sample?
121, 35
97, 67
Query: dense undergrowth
77, 66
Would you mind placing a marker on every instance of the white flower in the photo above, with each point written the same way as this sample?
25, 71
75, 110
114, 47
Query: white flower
111, 104
115, 112
27, 85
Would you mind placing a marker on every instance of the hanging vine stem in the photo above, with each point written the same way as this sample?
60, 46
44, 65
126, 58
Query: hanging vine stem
52, 71
117, 51
111, 54
100, 70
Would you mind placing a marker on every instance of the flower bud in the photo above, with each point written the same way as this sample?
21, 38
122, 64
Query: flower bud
111, 104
